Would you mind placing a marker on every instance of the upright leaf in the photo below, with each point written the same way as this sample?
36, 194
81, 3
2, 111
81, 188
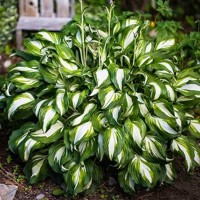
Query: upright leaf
47, 117
113, 142
61, 102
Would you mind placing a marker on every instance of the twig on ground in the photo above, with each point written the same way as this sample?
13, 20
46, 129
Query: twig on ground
2, 171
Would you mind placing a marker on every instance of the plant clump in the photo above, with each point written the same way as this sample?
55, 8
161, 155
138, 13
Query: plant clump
108, 92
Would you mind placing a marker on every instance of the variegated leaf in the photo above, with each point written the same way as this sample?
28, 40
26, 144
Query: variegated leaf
142, 104
126, 154
53, 134
94, 92
61, 101
25, 83
102, 77
117, 76
58, 156
166, 127
38, 106
158, 89
189, 72
87, 149
47, 117
78, 39
129, 105
34, 47
165, 65
19, 136
163, 109
182, 146
28, 69
113, 142
100, 149
190, 88
37, 168
99, 121
108, 97
196, 149
136, 130
143, 47
144, 60
170, 173
78, 178
165, 44
27, 146
182, 81
81, 133
170, 92
77, 98
64, 52
189, 101
88, 111
116, 27
68, 68
128, 36
126, 182
179, 113
194, 127
130, 22
154, 149
21, 100
52, 37
49, 74
145, 173
113, 115
103, 53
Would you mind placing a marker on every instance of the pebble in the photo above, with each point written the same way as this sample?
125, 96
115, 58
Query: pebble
40, 196
8, 192
112, 181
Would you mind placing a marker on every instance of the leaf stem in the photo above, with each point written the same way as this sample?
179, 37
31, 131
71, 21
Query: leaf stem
83, 36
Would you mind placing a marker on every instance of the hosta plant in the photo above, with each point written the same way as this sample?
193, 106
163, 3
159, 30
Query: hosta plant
112, 92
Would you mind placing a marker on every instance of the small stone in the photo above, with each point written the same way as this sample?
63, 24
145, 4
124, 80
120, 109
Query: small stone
40, 196
7, 192
112, 181
7, 63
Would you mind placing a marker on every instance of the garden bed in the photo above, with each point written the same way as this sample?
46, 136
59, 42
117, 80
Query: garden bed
186, 186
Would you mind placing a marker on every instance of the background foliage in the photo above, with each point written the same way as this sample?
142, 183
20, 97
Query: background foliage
8, 16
